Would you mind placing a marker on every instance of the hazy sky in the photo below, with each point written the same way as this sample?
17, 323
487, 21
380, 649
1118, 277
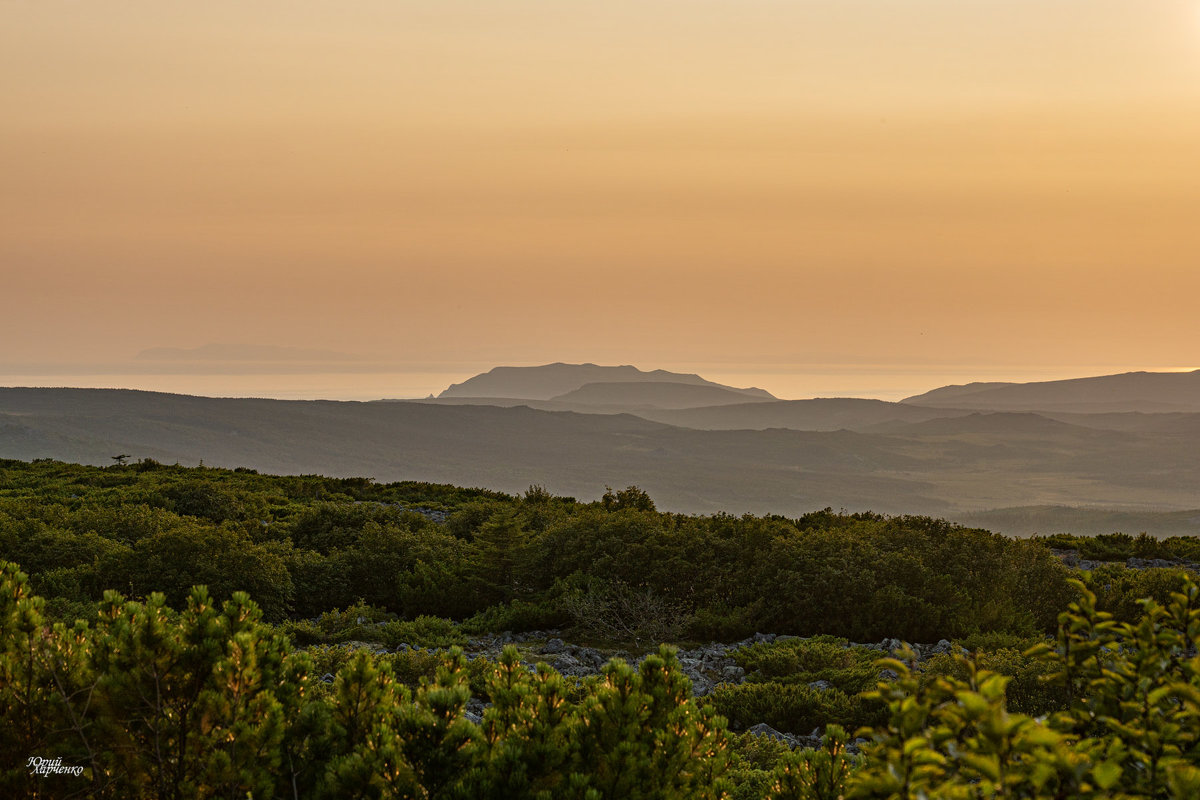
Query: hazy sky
1012, 183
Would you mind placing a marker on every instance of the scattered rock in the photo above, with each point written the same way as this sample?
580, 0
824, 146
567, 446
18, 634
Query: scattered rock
477, 706
763, 729
1073, 559
707, 666
943, 647
1159, 563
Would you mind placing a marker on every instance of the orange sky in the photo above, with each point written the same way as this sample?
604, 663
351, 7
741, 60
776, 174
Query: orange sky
1012, 183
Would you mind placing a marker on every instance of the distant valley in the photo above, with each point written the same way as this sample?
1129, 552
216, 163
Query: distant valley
695, 445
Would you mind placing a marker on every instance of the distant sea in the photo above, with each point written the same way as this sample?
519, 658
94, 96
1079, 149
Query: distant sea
351, 382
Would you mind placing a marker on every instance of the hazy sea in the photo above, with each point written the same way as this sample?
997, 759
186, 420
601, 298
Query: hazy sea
347, 382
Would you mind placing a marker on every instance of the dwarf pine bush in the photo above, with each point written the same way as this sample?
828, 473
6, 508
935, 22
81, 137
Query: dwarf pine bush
210, 702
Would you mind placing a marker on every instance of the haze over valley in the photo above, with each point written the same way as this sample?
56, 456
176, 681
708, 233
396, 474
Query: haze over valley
697, 446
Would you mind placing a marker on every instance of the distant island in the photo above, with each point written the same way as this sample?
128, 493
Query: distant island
551, 381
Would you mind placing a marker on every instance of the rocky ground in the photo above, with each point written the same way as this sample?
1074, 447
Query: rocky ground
706, 666
1072, 559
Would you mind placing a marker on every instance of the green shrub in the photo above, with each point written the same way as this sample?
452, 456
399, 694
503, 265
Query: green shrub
721, 623
1120, 590
818, 774
517, 616
365, 623
998, 640
791, 708
208, 701
804, 661
1027, 691
424, 631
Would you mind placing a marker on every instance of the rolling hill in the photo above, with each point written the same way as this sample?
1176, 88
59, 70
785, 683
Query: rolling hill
819, 414
654, 394
1147, 392
940, 466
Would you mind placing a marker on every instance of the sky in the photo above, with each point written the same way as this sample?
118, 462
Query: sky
1001, 189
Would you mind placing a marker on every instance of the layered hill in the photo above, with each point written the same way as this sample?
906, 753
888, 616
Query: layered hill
1146, 392
655, 394
960, 463
818, 414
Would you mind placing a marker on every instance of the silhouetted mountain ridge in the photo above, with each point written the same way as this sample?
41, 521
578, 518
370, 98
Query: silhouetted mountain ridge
552, 380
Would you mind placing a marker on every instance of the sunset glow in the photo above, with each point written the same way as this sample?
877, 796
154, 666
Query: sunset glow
1007, 184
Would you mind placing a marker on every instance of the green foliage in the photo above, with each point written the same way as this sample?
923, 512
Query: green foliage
825, 658
787, 707
498, 557
819, 774
150, 702
364, 623
1131, 728
202, 498
209, 702
998, 640
221, 558
722, 623
630, 498
1134, 685
466, 521
186, 692
1119, 591
777, 689
1122, 546
305, 545
1027, 691
620, 750
519, 615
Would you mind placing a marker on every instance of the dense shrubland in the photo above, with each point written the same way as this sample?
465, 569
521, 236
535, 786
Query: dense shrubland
217, 692
618, 569
147, 702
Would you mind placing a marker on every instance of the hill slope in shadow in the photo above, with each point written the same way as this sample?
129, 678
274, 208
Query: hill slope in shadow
934, 467
1149, 392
